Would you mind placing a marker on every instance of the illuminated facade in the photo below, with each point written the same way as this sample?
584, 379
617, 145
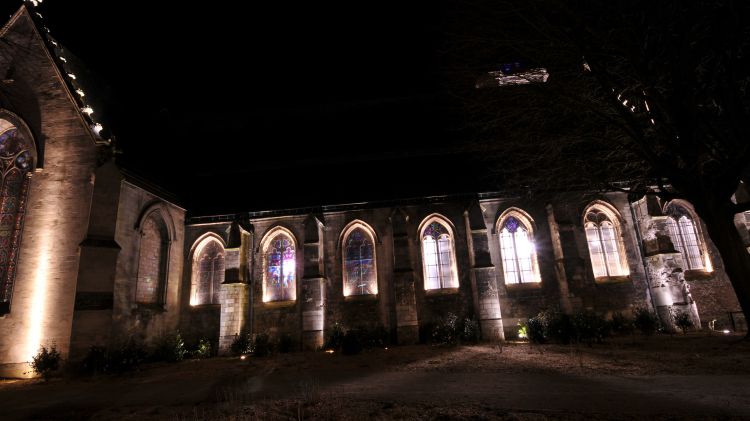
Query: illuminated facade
90, 254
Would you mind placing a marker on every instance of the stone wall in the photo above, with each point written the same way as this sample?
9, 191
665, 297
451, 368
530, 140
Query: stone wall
146, 321
57, 211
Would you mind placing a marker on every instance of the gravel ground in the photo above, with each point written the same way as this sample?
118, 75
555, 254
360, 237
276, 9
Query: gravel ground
678, 377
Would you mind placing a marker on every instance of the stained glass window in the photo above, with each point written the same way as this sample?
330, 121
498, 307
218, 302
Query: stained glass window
208, 272
604, 247
16, 162
280, 270
685, 236
152, 261
517, 251
439, 257
360, 277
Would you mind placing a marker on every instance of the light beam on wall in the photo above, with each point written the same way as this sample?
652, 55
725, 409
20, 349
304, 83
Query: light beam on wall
39, 300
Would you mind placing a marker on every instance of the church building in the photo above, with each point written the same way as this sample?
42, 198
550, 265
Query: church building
91, 254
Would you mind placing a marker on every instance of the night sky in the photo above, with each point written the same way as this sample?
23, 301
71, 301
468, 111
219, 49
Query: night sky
245, 106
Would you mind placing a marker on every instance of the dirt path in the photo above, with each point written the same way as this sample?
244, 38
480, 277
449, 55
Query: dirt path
608, 381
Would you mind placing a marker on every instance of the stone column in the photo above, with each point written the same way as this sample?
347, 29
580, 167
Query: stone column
562, 277
482, 273
235, 290
669, 290
407, 322
313, 285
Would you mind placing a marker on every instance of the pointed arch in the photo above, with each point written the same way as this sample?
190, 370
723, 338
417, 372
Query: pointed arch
515, 229
437, 239
208, 254
359, 259
279, 247
603, 227
685, 231
153, 257
18, 159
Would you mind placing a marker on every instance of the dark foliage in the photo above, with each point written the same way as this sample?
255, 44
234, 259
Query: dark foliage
241, 344
204, 349
645, 321
286, 343
261, 345
620, 324
169, 347
683, 321
46, 362
335, 337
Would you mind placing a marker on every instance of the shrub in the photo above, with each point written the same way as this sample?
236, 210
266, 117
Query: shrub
115, 359
261, 345
126, 357
169, 347
286, 343
240, 345
46, 362
373, 337
95, 362
535, 328
351, 343
645, 321
335, 337
446, 332
203, 350
682, 320
590, 327
559, 327
620, 324
470, 332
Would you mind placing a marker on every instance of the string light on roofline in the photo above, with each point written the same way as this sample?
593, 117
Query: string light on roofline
86, 109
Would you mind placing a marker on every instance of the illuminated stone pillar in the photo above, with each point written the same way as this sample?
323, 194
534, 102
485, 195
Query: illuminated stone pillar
235, 290
562, 277
312, 287
669, 290
483, 279
407, 322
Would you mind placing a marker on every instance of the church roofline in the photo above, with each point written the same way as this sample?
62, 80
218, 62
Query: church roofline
86, 120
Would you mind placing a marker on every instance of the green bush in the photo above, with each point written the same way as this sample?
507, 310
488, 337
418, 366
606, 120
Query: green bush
535, 327
261, 345
203, 350
645, 321
335, 337
557, 326
46, 362
169, 347
115, 359
241, 344
590, 327
446, 332
682, 320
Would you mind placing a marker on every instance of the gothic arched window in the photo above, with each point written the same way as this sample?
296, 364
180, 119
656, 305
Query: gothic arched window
152, 261
208, 272
685, 237
360, 273
605, 246
16, 163
517, 248
280, 268
438, 255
